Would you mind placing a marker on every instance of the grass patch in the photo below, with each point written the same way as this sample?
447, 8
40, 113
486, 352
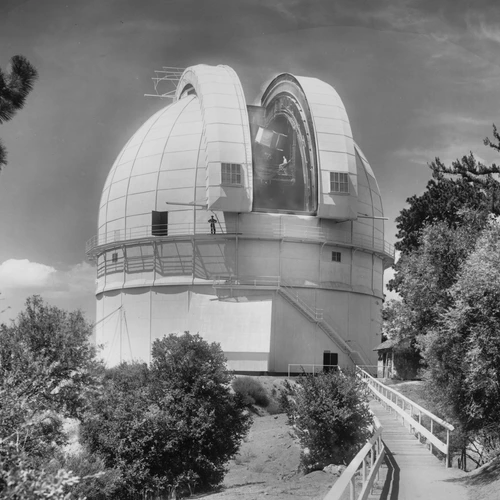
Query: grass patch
252, 391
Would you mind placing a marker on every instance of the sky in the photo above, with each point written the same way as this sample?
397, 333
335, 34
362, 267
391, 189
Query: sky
419, 80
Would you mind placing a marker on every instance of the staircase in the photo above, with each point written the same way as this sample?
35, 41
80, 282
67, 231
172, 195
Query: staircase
290, 295
316, 316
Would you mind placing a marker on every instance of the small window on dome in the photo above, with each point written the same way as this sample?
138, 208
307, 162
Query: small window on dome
339, 182
231, 173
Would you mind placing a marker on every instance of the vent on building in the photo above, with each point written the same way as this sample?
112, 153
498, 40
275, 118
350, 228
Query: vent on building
159, 223
336, 257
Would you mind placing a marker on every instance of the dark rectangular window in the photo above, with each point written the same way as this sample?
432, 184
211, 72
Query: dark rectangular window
330, 359
114, 257
336, 256
231, 173
159, 223
339, 182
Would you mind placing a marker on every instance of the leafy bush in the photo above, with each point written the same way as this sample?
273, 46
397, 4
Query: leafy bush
96, 482
171, 428
47, 372
251, 391
330, 415
23, 478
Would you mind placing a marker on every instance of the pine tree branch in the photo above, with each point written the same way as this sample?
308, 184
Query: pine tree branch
496, 135
3, 156
15, 86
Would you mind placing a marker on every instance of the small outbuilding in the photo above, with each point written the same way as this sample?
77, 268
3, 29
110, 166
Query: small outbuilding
397, 359
385, 363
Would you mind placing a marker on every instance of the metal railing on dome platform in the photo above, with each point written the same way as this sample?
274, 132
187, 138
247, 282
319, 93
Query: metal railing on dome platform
271, 230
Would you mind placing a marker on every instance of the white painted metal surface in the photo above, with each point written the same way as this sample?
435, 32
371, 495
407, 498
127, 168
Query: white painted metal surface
165, 282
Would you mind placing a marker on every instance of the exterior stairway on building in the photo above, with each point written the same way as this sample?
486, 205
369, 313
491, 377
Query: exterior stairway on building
410, 471
315, 316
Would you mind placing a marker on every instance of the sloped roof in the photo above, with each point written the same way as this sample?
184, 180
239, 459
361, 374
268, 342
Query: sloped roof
389, 344
386, 345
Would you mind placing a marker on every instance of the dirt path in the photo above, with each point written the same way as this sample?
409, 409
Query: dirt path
267, 466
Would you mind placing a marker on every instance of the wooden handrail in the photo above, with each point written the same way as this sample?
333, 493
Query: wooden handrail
375, 447
408, 400
381, 392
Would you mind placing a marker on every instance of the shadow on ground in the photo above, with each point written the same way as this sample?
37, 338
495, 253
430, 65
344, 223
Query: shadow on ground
390, 490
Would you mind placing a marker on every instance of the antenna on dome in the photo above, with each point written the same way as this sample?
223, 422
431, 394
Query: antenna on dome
166, 79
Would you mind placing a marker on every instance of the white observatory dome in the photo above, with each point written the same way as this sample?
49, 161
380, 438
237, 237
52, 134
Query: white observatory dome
243, 223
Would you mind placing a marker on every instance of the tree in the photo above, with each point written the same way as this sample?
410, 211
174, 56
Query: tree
46, 373
439, 279
467, 185
396, 320
50, 349
330, 415
15, 85
172, 427
463, 352
444, 200
451, 194
427, 274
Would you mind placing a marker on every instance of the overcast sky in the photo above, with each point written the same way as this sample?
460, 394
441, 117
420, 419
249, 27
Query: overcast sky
419, 79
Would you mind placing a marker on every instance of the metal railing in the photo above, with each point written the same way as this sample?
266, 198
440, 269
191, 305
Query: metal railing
369, 473
274, 282
273, 230
394, 400
221, 281
306, 368
324, 321
314, 312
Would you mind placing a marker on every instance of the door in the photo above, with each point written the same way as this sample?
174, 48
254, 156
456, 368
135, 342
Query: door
330, 360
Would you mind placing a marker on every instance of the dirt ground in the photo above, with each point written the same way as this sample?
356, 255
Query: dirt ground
484, 483
267, 466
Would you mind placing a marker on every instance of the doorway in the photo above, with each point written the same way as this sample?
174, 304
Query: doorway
330, 361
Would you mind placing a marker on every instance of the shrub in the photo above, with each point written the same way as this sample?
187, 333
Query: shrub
330, 415
20, 478
251, 391
171, 428
47, 372
96, 481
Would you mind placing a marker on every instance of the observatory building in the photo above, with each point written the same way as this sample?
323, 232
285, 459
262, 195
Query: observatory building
258, 227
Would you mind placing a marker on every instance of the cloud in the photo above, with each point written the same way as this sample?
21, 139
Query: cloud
455, 134
477, 24
21, 273
77, 280
69, 289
